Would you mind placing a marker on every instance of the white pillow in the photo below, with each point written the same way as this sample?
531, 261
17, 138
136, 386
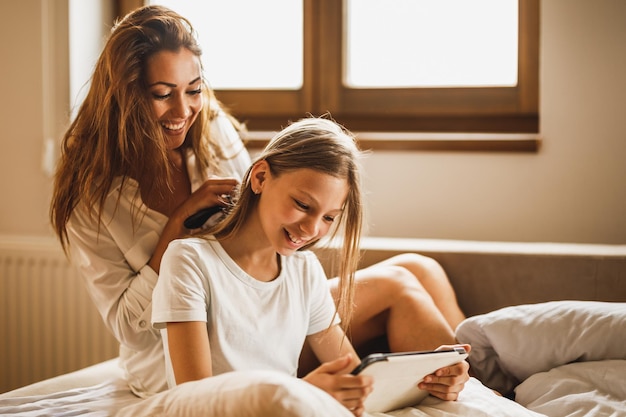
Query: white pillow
510, 344
241, 394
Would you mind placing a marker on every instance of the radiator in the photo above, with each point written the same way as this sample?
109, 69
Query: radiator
49, 323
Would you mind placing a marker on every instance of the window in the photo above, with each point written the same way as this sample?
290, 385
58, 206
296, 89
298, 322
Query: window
330, 43
242, 51
451, 43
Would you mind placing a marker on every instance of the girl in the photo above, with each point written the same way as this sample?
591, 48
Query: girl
244, 295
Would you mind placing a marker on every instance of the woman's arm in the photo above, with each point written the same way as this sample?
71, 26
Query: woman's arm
209, 194
190, 351
113, 266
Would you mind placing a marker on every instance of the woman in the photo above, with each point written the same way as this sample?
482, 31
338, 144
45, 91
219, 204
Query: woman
151, 146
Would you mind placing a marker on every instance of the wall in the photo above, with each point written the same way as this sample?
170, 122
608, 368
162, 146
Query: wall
38, 97
572, 190
29, 32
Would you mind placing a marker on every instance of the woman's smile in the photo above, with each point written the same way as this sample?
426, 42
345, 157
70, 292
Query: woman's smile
175, 88
174, 127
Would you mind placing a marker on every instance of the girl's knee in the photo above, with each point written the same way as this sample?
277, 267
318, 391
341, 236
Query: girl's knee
399, 281
415, 261
424, 269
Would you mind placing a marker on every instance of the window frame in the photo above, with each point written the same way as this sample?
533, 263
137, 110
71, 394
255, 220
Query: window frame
510, 112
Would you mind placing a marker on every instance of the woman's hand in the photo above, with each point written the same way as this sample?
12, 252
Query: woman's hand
334, 377
211, 193
446, 383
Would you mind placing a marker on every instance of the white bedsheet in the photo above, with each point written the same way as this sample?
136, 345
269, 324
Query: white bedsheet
112, 396
100, 400
581, 389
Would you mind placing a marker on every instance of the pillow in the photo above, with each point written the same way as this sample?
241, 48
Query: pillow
510, 344
242, 394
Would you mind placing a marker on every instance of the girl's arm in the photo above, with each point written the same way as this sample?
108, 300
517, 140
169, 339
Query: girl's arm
189, 350
332, 343
338, 358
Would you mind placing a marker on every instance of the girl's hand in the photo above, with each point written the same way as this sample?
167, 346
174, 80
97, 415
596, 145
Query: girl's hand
446, 383
334, 377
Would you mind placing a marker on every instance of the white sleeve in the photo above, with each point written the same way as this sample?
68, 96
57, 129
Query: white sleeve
121, 294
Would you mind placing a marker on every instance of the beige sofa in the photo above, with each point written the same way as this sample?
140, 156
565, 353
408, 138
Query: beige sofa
490, 275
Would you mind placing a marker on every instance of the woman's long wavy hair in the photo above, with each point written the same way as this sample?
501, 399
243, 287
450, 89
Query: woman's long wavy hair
322, 145
115, 132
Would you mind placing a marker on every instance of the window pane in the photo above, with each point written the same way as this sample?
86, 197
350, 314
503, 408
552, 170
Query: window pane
431, 43
247, 44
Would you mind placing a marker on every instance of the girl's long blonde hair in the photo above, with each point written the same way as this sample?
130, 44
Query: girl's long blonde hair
115, 133
322, 145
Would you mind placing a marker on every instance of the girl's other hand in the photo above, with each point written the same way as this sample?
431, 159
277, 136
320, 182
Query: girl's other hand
335, 378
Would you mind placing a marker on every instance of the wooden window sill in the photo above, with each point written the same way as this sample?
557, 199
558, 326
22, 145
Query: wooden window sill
399, 141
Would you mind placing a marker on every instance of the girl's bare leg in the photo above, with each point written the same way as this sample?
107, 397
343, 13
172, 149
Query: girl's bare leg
434, 280
406, 299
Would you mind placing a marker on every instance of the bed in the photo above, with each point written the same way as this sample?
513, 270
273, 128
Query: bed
547, 325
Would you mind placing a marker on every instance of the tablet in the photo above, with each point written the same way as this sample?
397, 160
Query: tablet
396, 376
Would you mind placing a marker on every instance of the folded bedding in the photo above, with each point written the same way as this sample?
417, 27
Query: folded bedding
581, 389
561, 358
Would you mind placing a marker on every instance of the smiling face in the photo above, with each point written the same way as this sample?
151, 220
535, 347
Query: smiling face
298, 207
175, 92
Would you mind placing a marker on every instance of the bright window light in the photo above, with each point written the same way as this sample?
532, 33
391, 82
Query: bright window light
247, 44
251, 44
431, 43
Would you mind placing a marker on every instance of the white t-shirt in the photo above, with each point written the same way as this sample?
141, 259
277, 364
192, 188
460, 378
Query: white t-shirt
251, 324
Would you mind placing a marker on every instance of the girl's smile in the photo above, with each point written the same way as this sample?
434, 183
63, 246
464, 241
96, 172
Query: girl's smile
299, 207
